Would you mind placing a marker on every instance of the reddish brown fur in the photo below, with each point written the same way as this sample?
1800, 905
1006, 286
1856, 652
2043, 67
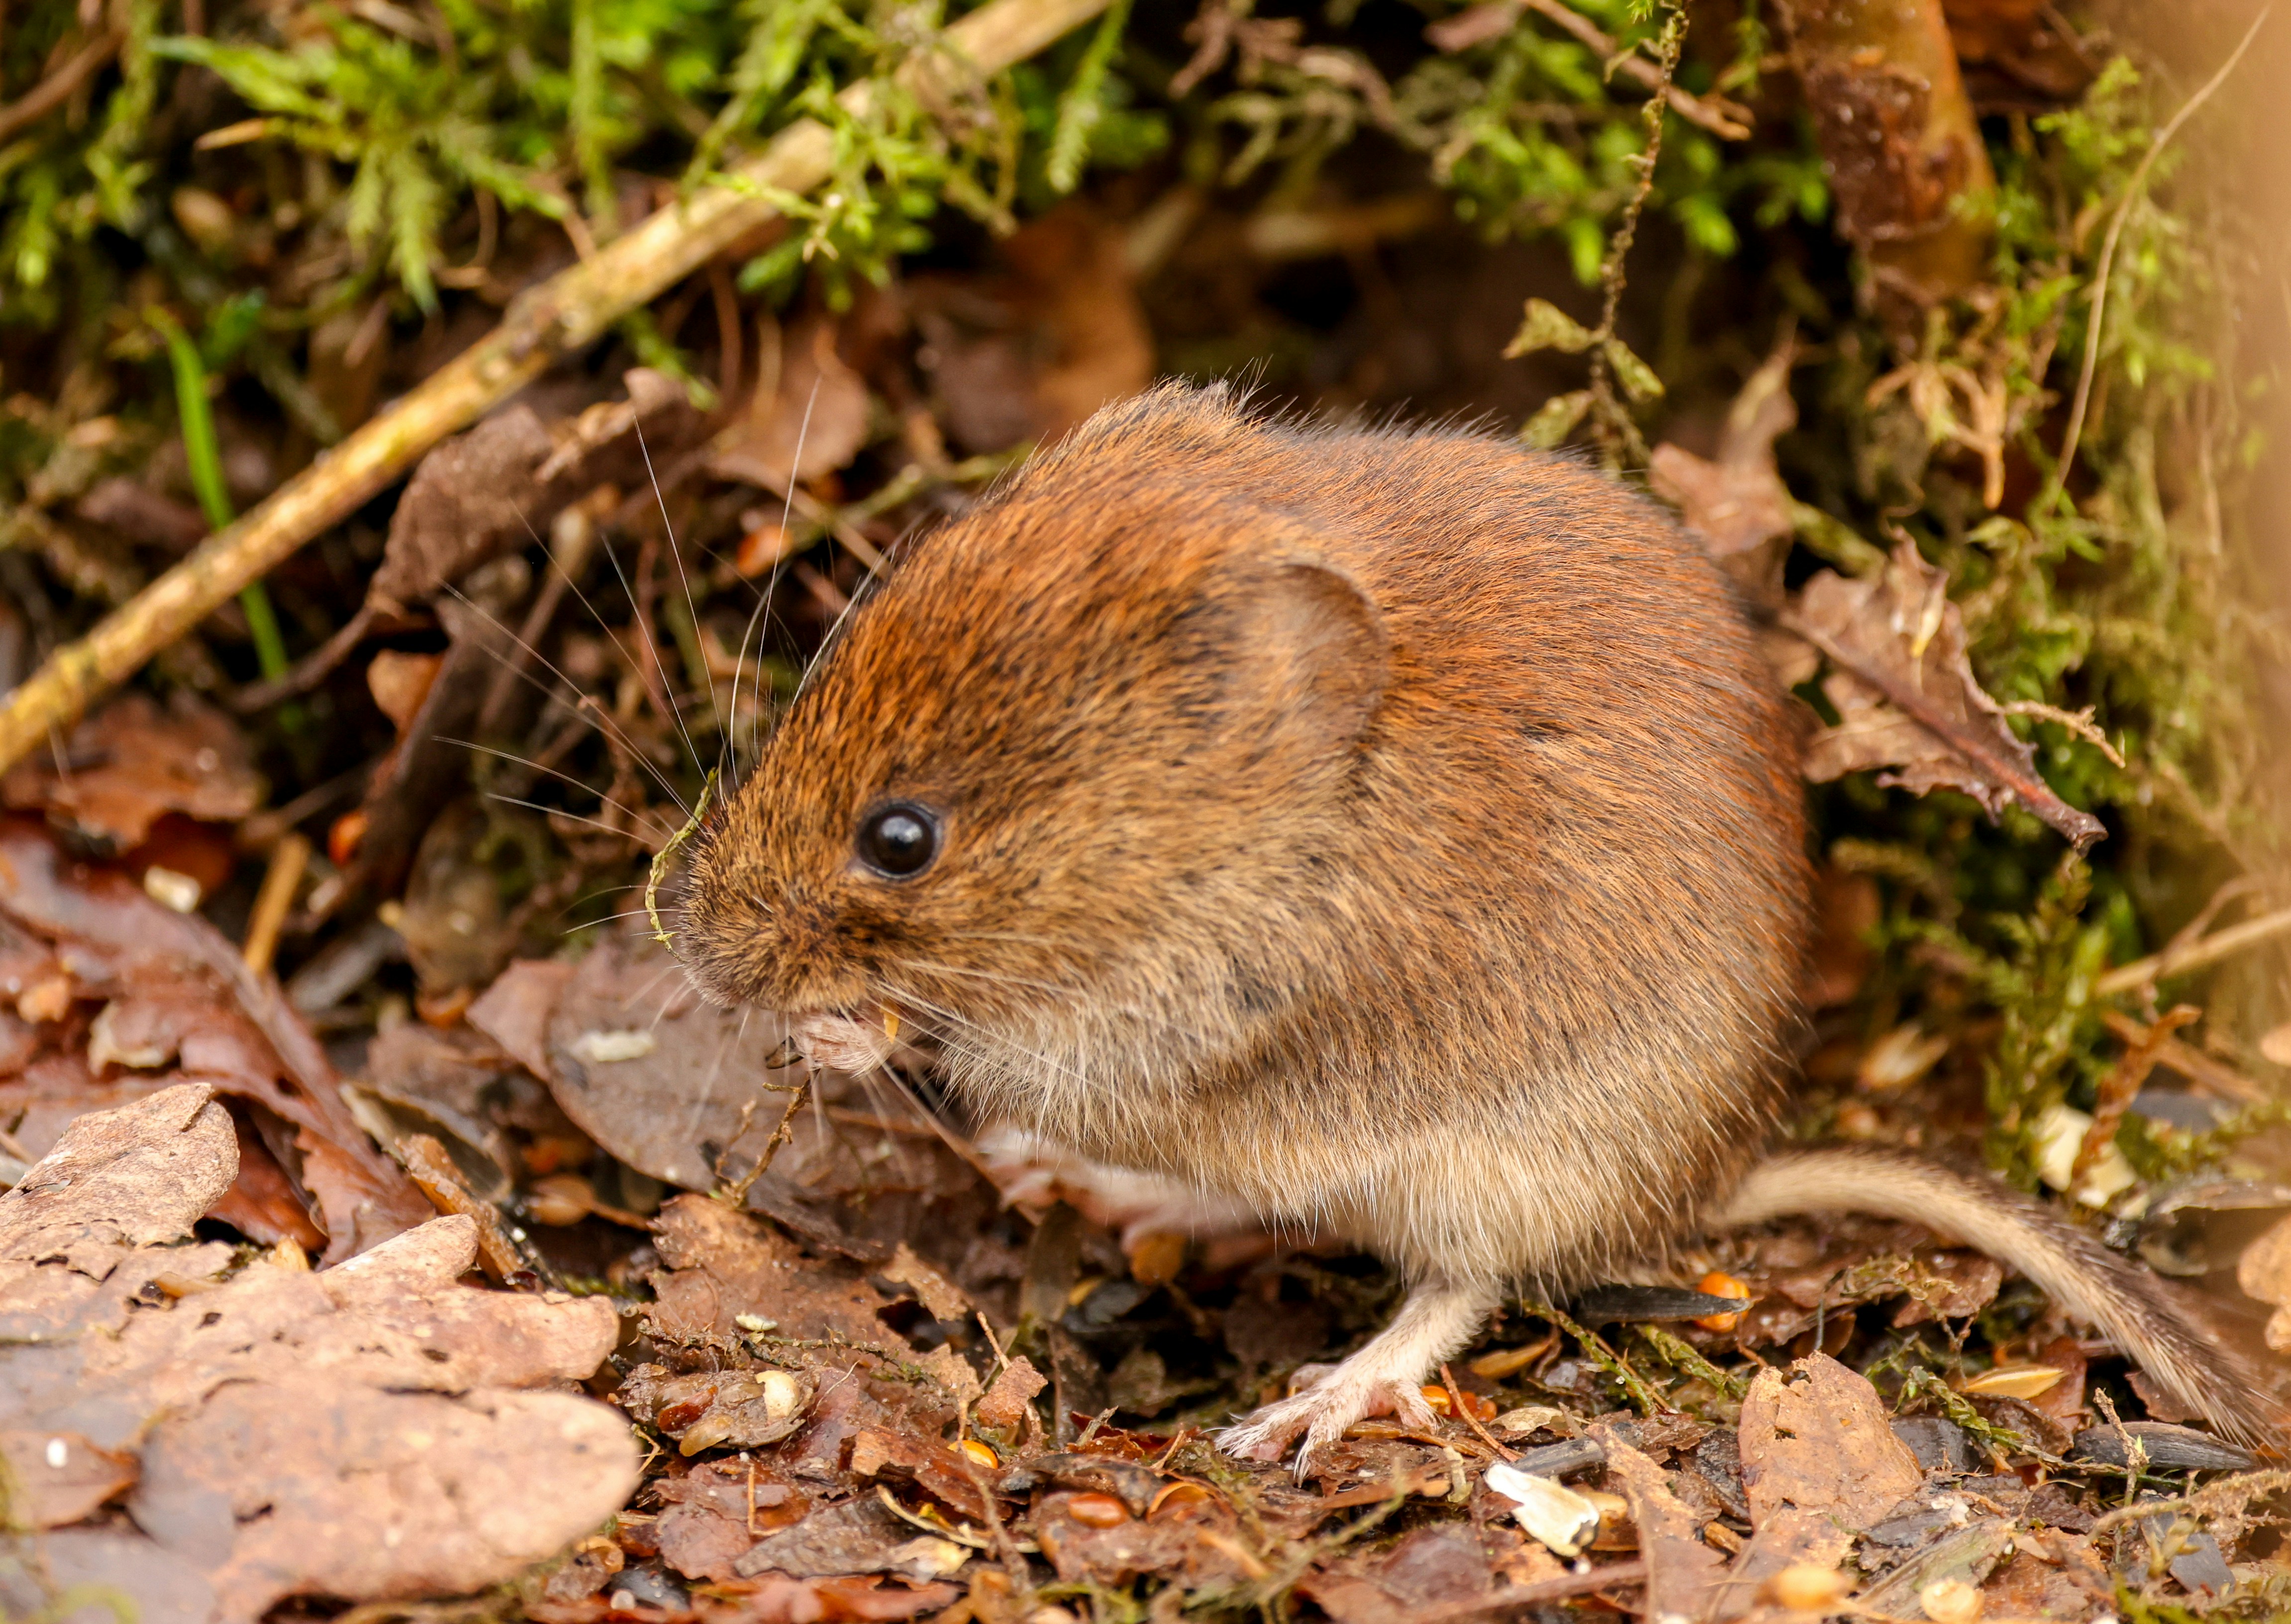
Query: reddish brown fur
1394, 831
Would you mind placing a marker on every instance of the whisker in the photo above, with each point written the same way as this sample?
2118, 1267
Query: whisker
676, 552
637, 629
779, 564
996, 978
605, 719
535, 806
997, 1041
646, 816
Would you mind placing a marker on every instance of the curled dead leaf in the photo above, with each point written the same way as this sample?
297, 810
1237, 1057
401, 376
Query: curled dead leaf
807, 416
1907, 698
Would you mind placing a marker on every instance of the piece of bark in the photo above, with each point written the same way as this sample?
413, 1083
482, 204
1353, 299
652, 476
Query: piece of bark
1899, 140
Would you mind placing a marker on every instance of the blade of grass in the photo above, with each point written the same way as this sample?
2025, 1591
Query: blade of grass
201, 451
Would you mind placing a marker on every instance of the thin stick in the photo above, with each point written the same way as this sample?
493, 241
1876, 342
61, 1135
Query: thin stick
558, 318
736, 1193
2074, 435
2200, 955
288, 859
1728, 120
53, 92
1461, 1407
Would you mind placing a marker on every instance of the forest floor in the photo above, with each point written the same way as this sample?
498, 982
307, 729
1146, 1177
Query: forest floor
394, 1229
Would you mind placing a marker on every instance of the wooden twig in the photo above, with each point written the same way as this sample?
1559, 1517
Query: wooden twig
288, 859
558, 318
53, 92
2074, 435
2195, 956
1727, 120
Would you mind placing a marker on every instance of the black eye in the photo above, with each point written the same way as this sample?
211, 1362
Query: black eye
899, 840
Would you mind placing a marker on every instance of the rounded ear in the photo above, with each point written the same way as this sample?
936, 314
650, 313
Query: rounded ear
1299, 651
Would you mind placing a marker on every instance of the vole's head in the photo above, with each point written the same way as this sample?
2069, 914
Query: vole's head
1052, 796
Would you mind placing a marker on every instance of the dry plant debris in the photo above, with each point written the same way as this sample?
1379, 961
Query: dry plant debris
1907, 699
363, 1432
892, 1374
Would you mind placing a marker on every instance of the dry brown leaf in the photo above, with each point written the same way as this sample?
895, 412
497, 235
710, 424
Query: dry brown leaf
1817, 1439
59, 1477
132, 763
940, 1297
807, 416
180, 1004
652, 1071
716, 1509
860, 1536
498, 485
1009, 1398
1681, 1571
1739, 501
1907, 698
1198, 1541
355, 1433
720, 1264
514, 1011
1432, 1570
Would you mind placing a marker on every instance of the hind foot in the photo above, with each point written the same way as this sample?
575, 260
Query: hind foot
1384, 1377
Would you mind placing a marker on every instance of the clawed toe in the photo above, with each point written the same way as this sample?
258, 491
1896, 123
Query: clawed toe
1320, 1416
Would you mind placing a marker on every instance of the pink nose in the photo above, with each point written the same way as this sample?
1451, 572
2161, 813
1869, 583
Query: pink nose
840, 1043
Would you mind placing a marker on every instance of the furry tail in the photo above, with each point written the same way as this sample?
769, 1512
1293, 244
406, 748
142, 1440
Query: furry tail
2131, 1306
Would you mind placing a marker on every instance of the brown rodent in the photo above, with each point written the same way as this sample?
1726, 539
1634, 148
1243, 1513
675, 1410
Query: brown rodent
1390, 834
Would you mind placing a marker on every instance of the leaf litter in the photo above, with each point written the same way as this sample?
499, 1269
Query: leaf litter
898, 1378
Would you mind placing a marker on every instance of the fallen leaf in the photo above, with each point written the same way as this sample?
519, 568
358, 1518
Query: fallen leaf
1907, 698
672, 1110
719, 1264
940, 1297
131, 763
1738, 501
1815, 1439
1009, 1399
356, 1433
1432, 1571
500, 484
860, 1536
1681, 1571
715, 1510
178, 996
807, 416
59, 1477
514, 1011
